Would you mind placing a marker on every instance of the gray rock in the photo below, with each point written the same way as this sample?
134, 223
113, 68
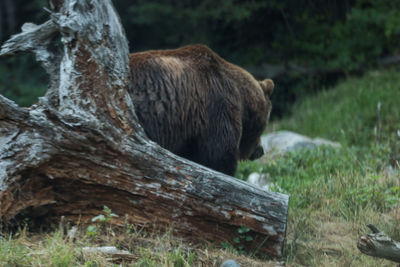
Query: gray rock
260, 180
284, 141
230, 263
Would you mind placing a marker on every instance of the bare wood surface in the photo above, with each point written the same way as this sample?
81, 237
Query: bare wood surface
379, 245
81, 146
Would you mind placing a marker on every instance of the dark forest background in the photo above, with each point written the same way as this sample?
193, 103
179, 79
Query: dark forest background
304, 45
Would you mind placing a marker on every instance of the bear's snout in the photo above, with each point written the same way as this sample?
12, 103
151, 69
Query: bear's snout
257, 153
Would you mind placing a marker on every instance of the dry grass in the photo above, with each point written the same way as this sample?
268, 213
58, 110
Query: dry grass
147, 249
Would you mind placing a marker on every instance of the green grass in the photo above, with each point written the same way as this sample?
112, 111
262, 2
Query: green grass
56, 249
343, 187
348, 113
336, 192
49, 250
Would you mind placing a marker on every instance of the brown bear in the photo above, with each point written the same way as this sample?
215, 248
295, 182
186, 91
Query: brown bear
199, 106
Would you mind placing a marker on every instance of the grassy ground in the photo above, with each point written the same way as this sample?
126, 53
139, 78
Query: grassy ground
334, 192
146, 249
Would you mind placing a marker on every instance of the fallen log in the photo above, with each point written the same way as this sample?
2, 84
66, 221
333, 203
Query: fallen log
379, 245
81, 147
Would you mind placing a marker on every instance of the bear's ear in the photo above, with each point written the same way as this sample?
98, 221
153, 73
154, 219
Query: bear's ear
268, 86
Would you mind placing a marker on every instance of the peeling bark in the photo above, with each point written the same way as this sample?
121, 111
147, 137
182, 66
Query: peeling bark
81, 147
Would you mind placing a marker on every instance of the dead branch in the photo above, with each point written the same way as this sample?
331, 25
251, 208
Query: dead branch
379, 245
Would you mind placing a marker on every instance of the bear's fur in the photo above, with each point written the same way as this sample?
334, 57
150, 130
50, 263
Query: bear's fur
199, 106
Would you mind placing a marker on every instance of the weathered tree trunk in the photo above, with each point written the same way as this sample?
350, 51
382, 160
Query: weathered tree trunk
379, 245
81, 146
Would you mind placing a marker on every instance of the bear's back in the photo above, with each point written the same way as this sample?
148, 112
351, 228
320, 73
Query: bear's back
171, 92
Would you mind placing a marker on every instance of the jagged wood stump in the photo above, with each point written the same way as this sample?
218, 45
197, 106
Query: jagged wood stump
81, 147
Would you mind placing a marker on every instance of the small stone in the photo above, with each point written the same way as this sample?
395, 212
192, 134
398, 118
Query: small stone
284, 141
230, 263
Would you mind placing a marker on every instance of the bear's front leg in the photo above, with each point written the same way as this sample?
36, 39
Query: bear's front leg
218, 148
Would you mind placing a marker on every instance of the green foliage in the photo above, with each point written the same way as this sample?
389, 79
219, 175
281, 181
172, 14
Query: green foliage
60, 254
103, 219
243, 239
57, 249
178, 258
52, 251
12, 253
92, 230
342, 36
309, 176
17, 84
349, 112
380, 196
147, 259
91, 263
226, 26
245, 168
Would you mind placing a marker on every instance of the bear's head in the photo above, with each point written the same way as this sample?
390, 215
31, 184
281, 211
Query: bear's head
267, 86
